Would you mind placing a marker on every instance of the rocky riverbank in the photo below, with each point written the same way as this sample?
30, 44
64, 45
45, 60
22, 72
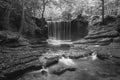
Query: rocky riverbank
23, 56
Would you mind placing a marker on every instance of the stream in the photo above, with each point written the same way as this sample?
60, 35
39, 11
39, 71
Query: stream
75, 61
85, 68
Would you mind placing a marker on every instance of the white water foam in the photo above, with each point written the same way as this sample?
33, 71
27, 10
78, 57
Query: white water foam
58, 42
67, 61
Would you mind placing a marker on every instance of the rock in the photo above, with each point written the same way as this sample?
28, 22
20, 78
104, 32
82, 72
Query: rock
8, 34
94, 20
84, 41
51, 62
105, 40
112, 33
116, 39
75, 54
10, 39
61, 69
15, 60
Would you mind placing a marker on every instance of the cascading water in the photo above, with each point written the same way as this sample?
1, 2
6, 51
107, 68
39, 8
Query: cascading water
59, 32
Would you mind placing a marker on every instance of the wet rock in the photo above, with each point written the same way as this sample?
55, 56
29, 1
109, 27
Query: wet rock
97, 41
61, 70
104, 41
17, 59
51, 62
103, 35
116, 39
47, 60
9, 39
103, 57
81, 54
84, 41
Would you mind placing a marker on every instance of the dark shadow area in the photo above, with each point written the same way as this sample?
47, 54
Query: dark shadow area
79, 28
17, 74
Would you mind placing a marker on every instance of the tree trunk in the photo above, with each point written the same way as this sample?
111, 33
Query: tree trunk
117, 5
22, 21
7, 18
43, 8
103, 11
34, 12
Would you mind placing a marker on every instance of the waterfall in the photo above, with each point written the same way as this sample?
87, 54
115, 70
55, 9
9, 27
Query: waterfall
59, 31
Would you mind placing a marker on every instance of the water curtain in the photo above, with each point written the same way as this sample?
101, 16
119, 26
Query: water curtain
59, 30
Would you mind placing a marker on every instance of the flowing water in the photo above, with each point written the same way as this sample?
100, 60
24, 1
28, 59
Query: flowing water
86, 68
59, 30
66, 31
59, 33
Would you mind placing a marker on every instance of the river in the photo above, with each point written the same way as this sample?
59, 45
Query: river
85, 68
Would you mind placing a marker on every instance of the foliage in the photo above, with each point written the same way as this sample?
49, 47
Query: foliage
66, 15
12, 18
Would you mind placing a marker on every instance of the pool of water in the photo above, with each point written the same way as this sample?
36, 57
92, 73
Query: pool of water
86, 68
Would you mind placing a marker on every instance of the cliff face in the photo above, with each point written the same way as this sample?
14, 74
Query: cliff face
78, 29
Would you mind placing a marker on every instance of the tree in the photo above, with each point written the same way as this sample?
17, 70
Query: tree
33, 6
44, 4
22, 21
66, 15
103, 11
7, 18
